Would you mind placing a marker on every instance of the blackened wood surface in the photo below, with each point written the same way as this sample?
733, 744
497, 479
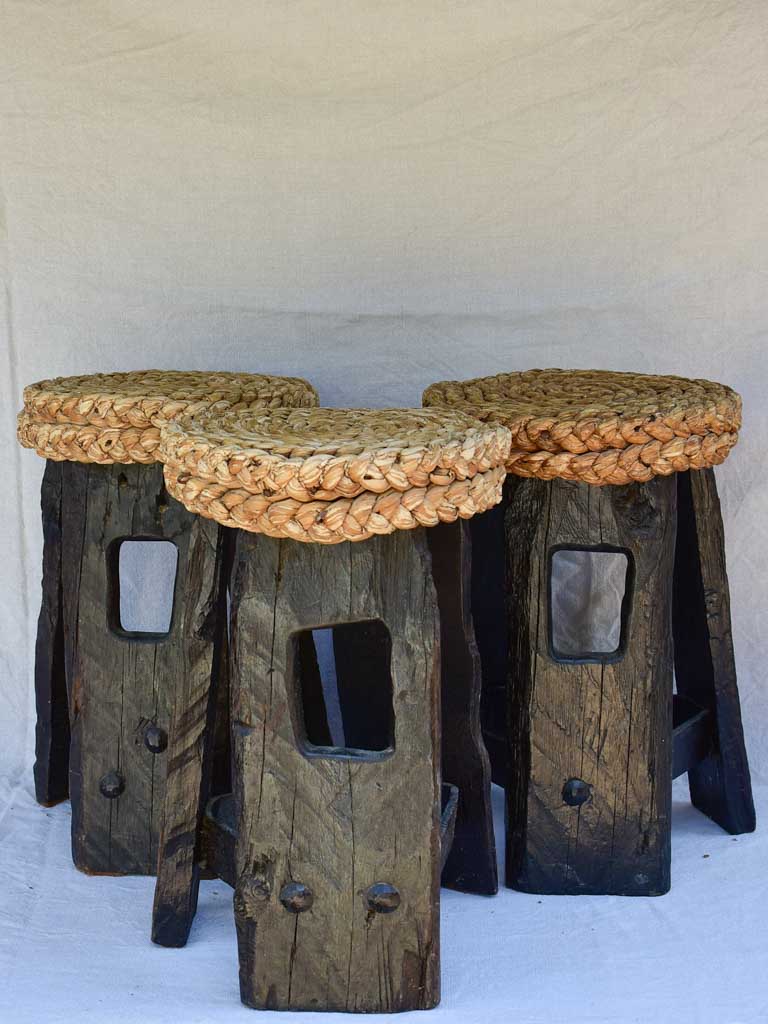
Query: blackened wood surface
335, 825
608, 725
704, 662
118, 685
490, 624
51, 769
471, 864
202, 626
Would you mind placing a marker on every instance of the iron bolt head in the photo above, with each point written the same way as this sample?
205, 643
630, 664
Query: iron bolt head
155, 739
296, 897
382, 898
576, 792
112, 785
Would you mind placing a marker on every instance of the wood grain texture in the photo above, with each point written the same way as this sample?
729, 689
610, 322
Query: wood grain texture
119, 685
606, 724
324, 821
51, 769
705, 669
192, 729
471, 864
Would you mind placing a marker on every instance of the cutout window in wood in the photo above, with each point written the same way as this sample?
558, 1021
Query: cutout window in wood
141, 584
344, 690
590, 593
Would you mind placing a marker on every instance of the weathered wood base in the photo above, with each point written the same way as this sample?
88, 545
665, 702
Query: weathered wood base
705, 670
471, 864
588, 798
338, 850
103, 695
51, 770
587, 750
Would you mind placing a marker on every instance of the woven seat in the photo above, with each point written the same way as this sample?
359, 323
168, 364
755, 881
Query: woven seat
116, 417
329, 475
601, 427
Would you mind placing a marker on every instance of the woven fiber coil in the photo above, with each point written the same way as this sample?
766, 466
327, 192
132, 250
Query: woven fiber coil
601, 427
331, 522
117, 417
324, 454
330, 475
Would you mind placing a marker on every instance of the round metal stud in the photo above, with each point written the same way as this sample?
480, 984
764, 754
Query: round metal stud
296, 897
155, 739
576, 792
382, 898
112, 785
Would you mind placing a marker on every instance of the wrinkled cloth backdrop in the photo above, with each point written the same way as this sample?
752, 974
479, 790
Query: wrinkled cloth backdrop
376, 196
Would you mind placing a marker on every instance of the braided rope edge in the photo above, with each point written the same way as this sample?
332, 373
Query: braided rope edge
492, 400
325, 476
634, 464
344, 519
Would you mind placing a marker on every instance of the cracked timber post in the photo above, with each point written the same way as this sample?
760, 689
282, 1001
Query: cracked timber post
120, 686
590, 743
338, 851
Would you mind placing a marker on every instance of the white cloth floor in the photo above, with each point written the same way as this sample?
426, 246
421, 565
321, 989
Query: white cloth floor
75, 948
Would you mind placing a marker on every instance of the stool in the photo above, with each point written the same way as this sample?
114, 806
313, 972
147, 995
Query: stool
334, 837
102, 683
587, 740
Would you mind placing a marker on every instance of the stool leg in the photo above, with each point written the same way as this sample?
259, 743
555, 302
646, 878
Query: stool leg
471, 864
490, 623
338, 851
192, 729
589, 792
704, 663
51, 769
120, 683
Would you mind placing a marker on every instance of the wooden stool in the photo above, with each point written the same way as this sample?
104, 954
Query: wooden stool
102, 685
587, 740
333, 842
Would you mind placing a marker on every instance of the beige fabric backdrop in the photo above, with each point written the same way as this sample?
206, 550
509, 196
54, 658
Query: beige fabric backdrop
376, 196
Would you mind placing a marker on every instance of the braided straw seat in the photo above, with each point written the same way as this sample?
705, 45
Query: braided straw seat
116, 417
329, 475
601, 427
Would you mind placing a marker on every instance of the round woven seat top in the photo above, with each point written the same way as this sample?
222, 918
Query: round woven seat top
330, 475
116, 417
601, 426
323, 454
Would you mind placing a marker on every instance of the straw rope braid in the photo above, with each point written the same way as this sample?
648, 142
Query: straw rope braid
70, 419
345, 519
324, 454
145, 398
62, 442
634, 464
579, 411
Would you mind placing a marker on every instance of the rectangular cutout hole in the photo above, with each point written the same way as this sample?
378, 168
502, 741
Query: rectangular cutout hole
141, 587
589, 601
344, 690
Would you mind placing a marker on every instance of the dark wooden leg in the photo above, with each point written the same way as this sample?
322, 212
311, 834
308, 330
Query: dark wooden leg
471, 864
704, 663
120, 685
353, 835
490, 623
590, 753
52, 732
359, 652
192, 732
